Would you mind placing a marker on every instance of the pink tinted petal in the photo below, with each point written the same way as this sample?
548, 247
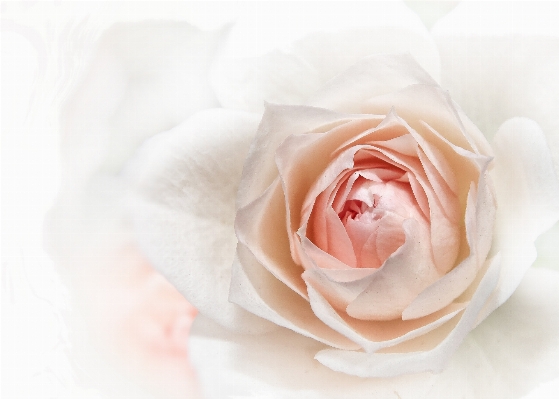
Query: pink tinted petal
389, 236
382, 174
261, 226
312, 153
426, 103
347, 275
339, 243
258, 291
339, 295
437, 158
402, 277
320, 258
428, 352
390, 127
340, 197
369, 256
419, 194
359, 233
405, 145
375, 335
452, 285
444, 233
278, 122
446, 197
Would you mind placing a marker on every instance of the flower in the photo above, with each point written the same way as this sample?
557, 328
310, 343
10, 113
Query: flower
376, 222
376, 321
188, 180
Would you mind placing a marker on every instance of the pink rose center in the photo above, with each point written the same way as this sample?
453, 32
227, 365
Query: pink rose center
371, 205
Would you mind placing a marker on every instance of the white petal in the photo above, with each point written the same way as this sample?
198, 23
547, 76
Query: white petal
279, 122
506, 357
288, 51
186, 181
527, 192
548, 390
373, 76
144, 78
499, 62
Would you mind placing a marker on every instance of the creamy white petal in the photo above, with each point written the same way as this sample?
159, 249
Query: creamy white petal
184, 207
290, 50
348, 91
506, 357
527, 194
501, 62
279, 122
259, 292
144, 78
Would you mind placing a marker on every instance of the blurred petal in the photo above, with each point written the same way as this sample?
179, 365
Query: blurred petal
511, 353
144, 78
282, 53
527, 192
187, 179
352, 88
500, 62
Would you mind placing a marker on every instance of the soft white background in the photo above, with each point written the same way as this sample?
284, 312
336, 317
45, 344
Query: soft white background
44, 49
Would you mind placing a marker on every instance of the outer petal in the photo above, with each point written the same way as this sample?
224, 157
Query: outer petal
144, 78
280, 364
291, 50
186, 181
430, 352
348, 91
500, 62
527, 192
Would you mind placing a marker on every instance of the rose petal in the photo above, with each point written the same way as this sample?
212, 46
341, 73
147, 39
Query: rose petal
484, 47
284, 56
375, 335
421, 103
414, 357
258, 291
262, 226
280, 364
348, 91
278, 122
186, 181
144, 78
479, 219
527, 192
404, 275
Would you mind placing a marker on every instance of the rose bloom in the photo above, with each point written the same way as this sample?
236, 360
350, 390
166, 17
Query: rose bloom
371, 214
380, 222
373, 219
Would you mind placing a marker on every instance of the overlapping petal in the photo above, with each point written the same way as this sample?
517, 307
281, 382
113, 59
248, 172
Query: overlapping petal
284, 53
491, 361
184, 208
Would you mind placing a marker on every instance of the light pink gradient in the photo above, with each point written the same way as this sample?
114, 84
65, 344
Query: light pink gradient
140, 323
